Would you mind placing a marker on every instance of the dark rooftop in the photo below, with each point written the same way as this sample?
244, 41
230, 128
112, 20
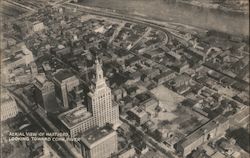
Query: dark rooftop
63, 74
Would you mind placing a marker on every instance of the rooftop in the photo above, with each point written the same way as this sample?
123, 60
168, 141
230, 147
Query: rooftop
11, 60
138, 111
95, 135
164, 74
40, 80
62, 75
74, 116
205, 128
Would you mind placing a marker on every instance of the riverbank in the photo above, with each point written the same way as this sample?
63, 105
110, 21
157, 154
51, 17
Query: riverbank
171, 11
214, 6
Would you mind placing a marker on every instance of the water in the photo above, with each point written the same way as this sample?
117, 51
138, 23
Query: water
167, 10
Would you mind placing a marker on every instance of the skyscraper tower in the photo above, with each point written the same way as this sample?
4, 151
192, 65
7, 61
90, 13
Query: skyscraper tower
99, 112
100, 100
45, 93
65, 81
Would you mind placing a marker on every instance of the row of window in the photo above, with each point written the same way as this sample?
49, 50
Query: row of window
6, 115
84, 126
105, 149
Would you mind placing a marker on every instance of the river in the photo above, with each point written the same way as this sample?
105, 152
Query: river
224, 21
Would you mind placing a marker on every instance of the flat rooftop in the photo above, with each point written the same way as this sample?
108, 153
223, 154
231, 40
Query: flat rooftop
40, 80
11, 59
205, 128
164, 74
138, 111
63, 74
74, 116
95, 135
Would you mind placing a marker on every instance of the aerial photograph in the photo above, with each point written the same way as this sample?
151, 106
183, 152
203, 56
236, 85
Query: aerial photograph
124, 79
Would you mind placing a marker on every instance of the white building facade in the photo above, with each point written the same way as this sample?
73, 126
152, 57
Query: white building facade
99, 112
9, 107
100, 101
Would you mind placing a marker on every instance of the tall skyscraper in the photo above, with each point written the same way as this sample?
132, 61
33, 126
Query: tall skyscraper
65, 82
45, 93
99, 112
100, 100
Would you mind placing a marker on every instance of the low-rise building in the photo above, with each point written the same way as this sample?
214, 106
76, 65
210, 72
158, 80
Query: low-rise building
38, 26
149, 74
150, 126
119, 94
22, 56
181, 67
61, 50
127, 153
208, 131
156, 53
132, 61
160, 79
180, 80
196, 52
173, 54
139, 115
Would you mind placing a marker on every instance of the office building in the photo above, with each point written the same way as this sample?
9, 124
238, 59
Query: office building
100, 101
99, 142
65, 82
9, 107
210, 130
99, 111
76, 120
139, 115
45, 93
127, 153
23, 56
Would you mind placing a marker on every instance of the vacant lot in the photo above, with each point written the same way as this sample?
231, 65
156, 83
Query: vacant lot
173, 116
168, 99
